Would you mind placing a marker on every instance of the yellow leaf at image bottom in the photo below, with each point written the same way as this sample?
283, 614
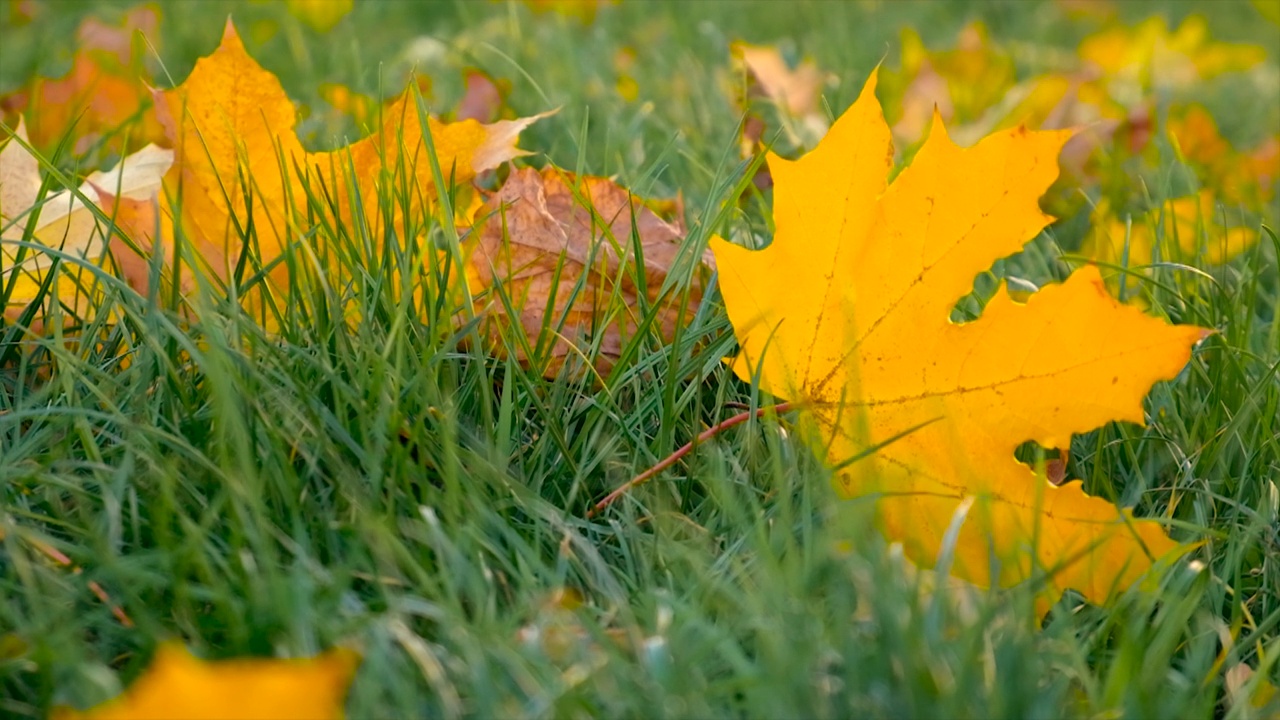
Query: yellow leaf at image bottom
179, 686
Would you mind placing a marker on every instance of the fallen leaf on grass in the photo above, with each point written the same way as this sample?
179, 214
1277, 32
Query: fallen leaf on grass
584, 10
1189, 230
962, 82
179, 686
360, 108
566, 267
797, 91
321, 15
104, 93
65, 223
1244, 177
483, 97
847, 312
1150, 55
239, 163
1245, 687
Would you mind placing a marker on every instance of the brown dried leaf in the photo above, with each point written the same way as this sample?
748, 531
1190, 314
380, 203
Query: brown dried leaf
558, 259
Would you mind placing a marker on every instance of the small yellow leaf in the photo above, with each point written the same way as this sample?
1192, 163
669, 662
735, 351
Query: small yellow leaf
1190, 231
1149, 54
321, 15
962, 82
179, 686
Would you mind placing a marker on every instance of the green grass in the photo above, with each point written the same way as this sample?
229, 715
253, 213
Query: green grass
390, 486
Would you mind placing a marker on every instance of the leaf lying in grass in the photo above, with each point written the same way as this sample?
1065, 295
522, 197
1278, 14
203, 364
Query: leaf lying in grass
483, 98
962, 82
231, 128
321, 15
584, 10
1243, 177
847, 311
179, 686
566, 267
796, 91
1190, 231
104, 93
399, 151
1149, 53
64, 223
241, 170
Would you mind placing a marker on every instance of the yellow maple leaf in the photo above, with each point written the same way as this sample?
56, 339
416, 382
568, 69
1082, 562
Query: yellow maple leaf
847, 313
65, 223
239, 162
231, 127
179, 686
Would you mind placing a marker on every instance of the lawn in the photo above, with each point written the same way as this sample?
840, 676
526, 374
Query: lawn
365, 471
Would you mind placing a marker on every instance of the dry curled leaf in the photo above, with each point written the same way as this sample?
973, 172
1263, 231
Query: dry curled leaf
179, 686
564, 265
65, 223
847, 312
795, 91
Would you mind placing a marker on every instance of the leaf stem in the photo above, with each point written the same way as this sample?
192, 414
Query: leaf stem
687, 448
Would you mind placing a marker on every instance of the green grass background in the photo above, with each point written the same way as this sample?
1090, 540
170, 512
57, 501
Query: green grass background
392, 488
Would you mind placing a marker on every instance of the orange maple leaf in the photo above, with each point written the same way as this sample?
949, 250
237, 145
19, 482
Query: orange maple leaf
179, 686
239, 162
847, 312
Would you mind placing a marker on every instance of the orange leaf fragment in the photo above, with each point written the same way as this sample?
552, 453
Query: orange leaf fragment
1246, 177
104, 92
179, 686
847, 312
567, 267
